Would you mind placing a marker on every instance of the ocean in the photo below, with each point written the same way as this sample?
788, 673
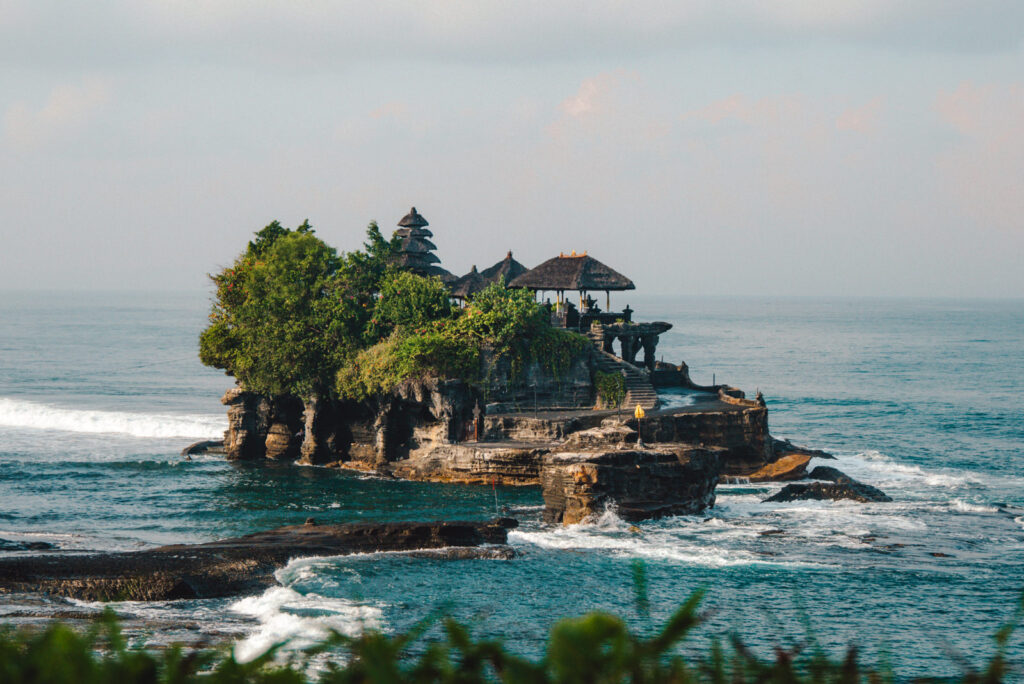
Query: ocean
99, 392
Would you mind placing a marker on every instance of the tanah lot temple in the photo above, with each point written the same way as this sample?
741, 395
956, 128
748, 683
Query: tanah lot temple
658, 448
565, 277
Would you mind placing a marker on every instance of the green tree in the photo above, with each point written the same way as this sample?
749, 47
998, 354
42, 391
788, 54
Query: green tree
290, 310
409, 302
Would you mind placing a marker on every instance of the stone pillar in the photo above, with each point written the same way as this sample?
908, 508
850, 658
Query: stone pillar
630, 346
247, 424
318, 428
606, 343
285, 434
650, 343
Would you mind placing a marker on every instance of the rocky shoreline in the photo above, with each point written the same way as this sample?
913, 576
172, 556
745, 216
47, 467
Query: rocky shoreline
584, 460
240, 565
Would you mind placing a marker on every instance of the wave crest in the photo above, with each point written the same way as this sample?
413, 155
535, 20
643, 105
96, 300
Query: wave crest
17, 413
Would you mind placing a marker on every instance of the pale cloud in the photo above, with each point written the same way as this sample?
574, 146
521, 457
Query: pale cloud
740, 108
863, 119
594, 94
984, 168
68, 109
396, 109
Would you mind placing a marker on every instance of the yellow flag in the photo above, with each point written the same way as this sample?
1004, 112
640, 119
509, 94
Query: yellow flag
638, 412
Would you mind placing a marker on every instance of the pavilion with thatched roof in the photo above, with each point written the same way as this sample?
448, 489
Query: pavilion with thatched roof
469, 284
416, 251
508, 268
573, 273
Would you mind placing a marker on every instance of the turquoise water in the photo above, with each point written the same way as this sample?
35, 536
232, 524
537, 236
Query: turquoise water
99, 393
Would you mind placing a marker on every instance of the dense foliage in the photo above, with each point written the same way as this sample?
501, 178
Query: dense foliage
293, 316
597, 647
408, 302
291, 310
498, 323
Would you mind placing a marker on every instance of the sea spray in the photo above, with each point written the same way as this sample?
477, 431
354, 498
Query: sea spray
17, 413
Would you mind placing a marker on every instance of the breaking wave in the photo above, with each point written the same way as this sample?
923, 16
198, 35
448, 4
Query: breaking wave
17, 413
299, 620
672, 540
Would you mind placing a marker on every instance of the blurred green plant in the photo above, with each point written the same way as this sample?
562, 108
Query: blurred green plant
611, 389
597, 647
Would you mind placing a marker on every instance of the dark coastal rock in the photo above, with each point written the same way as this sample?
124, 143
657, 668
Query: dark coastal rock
247, 424
6, 545
784, 447
639, 483
503, 463
231, 566
205, 446
830, 474
850, 489
740, 430
611, 433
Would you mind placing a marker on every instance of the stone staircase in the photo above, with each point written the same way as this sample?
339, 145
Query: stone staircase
639, 389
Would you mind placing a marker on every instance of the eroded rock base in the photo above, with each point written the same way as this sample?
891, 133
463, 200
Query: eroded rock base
639, 483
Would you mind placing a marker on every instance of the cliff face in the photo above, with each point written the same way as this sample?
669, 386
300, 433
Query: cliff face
535, 386
741, 432
429, 430
641, 484
418, 414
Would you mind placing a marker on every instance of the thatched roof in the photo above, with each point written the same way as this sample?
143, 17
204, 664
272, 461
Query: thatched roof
573, 272
413, 232
416, 252
413, 259
417, 244
508, 267
447, 277
469, 284
413, 220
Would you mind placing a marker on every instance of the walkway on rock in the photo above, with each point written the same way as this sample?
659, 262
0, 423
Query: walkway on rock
639, 389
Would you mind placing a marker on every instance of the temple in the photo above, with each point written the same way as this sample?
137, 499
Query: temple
565, 274
528, 425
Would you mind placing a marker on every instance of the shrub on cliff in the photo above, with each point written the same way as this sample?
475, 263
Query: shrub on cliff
507, 324
290, 310
408, 302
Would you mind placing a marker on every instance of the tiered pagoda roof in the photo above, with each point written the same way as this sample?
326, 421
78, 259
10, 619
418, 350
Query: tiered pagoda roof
416, 251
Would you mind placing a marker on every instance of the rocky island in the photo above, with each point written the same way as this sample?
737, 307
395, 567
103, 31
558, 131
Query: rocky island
383, 361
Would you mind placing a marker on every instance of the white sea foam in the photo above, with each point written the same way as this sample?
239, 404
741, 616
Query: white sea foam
28, 414
965, 507
299, 620
877, 468
676, 540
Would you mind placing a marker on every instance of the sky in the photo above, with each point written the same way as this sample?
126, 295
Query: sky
836, 148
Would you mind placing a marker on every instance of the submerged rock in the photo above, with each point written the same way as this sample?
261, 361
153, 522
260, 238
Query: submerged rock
234, 566
851, 489
6, 545
830, 474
